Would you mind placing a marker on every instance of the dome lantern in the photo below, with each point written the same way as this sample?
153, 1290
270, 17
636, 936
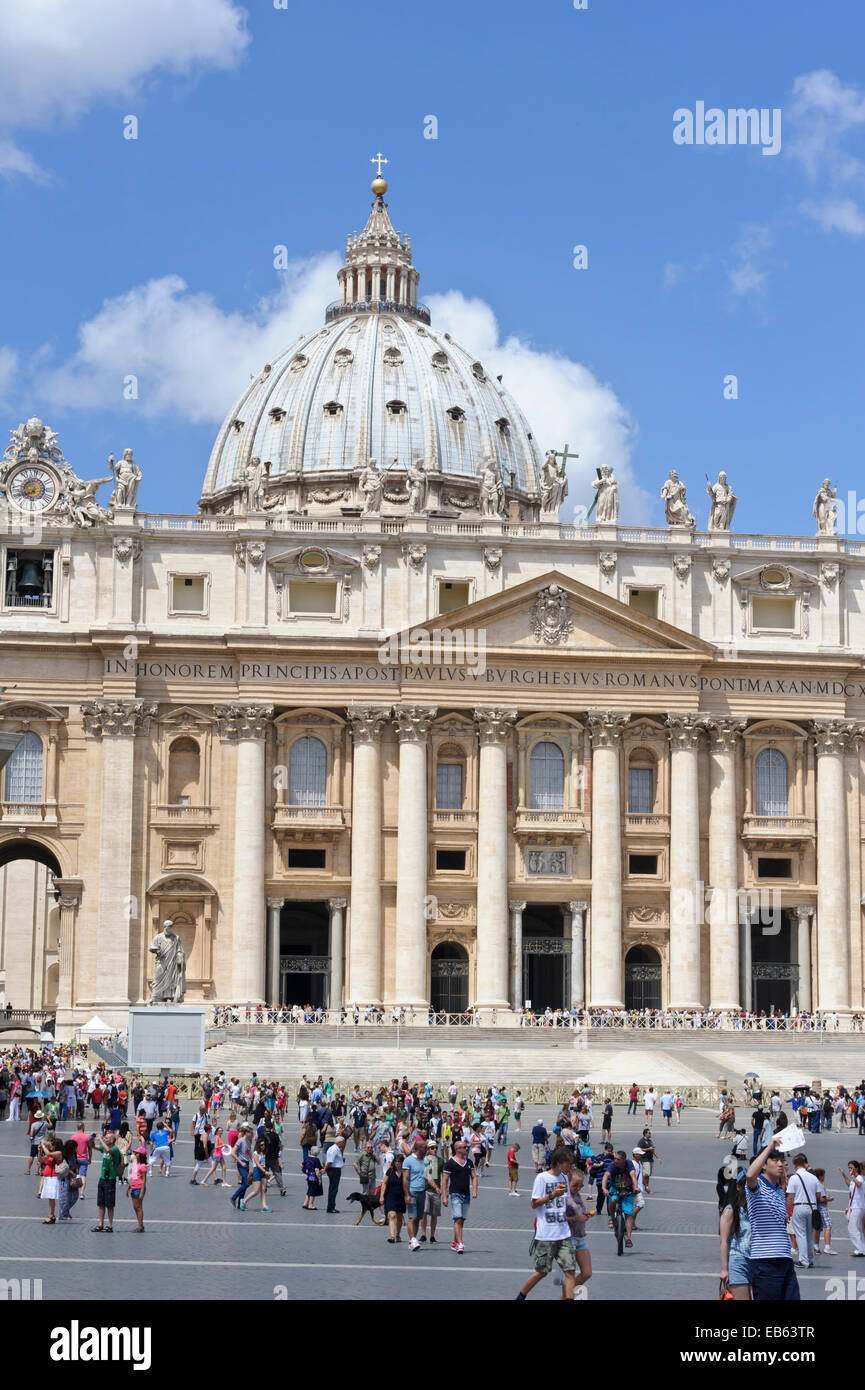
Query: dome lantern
378, 274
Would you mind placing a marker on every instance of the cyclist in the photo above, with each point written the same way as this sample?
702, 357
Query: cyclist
620, 1189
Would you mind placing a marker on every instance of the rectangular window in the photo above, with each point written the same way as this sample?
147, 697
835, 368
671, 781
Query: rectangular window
306, 596
452, 596
774, 868
188, 593
453, 859
307, 859
643, 864
449, 787
645, 601
772, 612
641, 791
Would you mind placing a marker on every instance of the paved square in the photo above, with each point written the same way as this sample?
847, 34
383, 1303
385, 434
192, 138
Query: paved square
197, 1246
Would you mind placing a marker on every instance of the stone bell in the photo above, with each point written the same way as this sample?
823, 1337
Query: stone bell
30, 579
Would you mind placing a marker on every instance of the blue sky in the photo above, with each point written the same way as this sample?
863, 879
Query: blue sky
155, 256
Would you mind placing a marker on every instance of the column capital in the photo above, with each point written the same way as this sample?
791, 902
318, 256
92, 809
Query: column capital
606, 726
494, 723
337, 904
804, 911
685, 729
366, 721
274, 903
517, 905
413, 722
239, 720
68, 891
117, 718
724, 733
832, 736
578, 905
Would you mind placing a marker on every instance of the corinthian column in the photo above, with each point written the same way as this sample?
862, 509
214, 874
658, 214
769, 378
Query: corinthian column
804, 913
578, 911
336, 908
494, 726
516, 907
68, 892
831, 739
412, 726
723, 865
686, 888
247, 726
365, 958
606, 728
115, 724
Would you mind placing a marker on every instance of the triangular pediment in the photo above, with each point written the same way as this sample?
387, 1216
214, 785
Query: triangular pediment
556, 614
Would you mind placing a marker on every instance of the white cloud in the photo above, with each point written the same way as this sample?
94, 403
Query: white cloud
191, 358
837, 215
59, 59
746, 275
563, 401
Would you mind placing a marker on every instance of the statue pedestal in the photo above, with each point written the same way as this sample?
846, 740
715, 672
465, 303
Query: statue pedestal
166, 1036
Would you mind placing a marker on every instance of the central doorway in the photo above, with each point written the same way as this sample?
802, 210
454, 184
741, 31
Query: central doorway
774, 971
546, 958
449, 978
642, 978
304, 962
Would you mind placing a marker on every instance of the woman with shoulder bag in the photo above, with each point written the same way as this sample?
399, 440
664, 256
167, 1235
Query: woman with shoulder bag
70, 1181
52, 1159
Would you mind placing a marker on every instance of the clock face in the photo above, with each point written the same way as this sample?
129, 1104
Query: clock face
32, 488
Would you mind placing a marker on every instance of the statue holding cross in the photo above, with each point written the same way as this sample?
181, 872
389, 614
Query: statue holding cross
554, 484
607, 496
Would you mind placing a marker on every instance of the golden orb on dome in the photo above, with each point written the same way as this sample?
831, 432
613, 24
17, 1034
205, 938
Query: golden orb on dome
379, 186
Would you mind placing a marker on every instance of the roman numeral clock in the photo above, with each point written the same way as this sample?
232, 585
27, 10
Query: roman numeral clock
32, 487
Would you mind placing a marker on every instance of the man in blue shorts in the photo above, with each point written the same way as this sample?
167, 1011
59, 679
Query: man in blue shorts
459, 1185
620, 1186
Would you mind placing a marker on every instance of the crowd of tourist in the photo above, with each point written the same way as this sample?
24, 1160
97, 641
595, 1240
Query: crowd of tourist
728, 1020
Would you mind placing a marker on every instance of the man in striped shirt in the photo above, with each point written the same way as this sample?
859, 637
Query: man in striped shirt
773, 1278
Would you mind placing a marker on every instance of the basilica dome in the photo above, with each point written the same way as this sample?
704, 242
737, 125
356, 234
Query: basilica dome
377, 381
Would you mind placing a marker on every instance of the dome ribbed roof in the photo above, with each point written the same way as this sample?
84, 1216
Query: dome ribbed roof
376, 382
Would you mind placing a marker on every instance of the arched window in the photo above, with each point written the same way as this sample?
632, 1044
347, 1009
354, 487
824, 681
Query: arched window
307, 773
770, 777
546, 777
24, 770
184, 770
641, 785
450, 780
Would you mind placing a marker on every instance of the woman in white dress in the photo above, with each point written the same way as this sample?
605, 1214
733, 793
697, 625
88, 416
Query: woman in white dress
52, 1155
856, 1206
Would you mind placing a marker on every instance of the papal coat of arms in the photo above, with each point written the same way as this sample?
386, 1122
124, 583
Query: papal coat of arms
551, 618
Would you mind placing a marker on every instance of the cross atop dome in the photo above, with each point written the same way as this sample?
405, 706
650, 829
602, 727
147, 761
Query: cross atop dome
379, 184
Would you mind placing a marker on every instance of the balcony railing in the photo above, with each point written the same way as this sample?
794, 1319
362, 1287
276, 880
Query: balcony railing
27, 811
658, 824
175, 813
310, 817
338, 310
466, 820
782, 827
561, 821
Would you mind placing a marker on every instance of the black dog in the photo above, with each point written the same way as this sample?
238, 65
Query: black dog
369, 1203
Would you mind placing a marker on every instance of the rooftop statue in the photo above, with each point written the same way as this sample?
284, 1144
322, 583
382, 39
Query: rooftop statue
674, 494
723, 503
491, 491
554, 484
127, 476
825, 509
371, 484
607, 508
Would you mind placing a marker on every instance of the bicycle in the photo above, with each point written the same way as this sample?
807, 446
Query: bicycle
618, 1218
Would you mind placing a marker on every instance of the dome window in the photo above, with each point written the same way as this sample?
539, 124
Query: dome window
277, 414
456, 412
440, 360
333, 408
396, 407
504, 426
392, 357
478, 372
299, 362
237, 426
343, 358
